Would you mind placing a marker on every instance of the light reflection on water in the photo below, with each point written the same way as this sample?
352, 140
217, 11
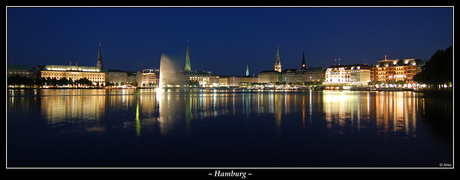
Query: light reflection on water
299, 116
342, 110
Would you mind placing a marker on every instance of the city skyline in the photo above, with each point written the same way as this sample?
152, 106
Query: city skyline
224, 40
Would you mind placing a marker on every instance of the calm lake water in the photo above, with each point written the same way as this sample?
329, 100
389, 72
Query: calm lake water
225, 128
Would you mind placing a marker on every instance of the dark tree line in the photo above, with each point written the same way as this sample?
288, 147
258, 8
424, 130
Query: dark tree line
21, 80
438, 70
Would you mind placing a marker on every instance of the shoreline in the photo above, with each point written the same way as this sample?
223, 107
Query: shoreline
429, 91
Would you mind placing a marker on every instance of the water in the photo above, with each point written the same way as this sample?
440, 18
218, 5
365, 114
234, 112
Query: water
225, 128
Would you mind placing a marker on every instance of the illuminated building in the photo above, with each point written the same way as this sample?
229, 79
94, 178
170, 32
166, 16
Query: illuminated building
396, 70
115, 76
269, 76
314, 74
99, 58
247, 70
278, 62
21, 70
304, 74
93, 74
357, 74
188, 65
131, 77
202, 77
148, 77
246, 81
289, 75
232, 81
304, 65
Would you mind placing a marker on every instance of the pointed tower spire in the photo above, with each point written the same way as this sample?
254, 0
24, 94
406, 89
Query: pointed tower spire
99, 58
304, 65
247, 70
188, 65
278, 62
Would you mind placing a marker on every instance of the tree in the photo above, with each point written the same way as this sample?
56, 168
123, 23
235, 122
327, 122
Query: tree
38, 81
70, 81
438, 70
84, 81
63, 81
48, 81
54, 81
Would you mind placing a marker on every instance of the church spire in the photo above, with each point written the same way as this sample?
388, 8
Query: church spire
304, 65
247, 70
99, 58
278, 62
188, 65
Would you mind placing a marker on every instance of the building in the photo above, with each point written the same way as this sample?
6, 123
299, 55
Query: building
304, 65
188, 65
21, 70
115, 76
297, 76
289, 76
269, 77
192, 76
278, 61
247, 70
99, 59
148, 77
131, 78
93, 74
200, 77
314, 74
356, 74
396, 70
232, 81
246, 81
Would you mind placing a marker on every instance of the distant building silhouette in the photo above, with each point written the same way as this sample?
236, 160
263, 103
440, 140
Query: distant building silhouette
278, 61
99, 58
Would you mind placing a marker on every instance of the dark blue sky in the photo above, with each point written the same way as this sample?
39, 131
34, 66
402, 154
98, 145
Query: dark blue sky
224, 40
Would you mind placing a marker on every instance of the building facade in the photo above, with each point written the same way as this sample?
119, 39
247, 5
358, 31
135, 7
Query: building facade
314, 74
289, 76
232, 81
201, 77
396, 70
131, 78
93, 74
278, 61
148, 77
188, 65
21, 70
269, 77
99, 59
115, 76
304, 65
357, 74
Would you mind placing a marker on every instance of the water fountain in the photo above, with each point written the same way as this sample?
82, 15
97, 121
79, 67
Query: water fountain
169, 75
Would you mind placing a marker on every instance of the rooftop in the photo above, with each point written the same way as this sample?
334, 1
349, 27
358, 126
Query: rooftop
71, 68
396, 62
352, 65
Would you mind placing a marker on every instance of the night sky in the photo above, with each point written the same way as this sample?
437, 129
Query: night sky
223, 40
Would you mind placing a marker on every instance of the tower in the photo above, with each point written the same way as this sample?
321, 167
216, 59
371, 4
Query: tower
188, 66
278, 62
99, 58
304, 65
247, 70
